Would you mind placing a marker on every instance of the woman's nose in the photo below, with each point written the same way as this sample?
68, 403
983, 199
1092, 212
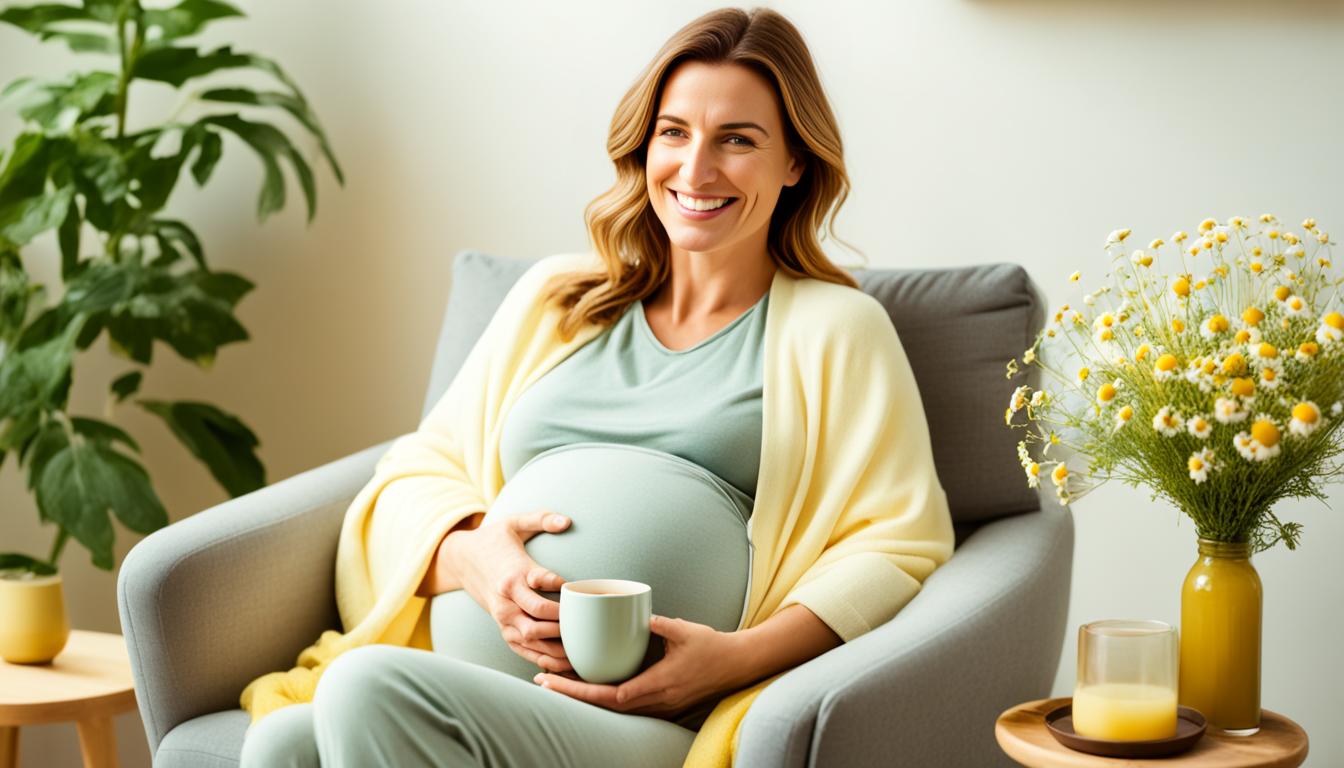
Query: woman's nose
699, 166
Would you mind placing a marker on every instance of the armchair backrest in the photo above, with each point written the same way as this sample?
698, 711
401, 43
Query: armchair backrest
959, 328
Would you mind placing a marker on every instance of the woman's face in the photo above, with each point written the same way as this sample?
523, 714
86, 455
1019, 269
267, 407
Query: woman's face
718, 134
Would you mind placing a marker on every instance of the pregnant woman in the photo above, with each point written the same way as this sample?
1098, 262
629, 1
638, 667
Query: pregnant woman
706, 404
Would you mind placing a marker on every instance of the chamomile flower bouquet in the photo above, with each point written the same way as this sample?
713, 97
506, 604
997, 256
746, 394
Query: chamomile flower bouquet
1217, 385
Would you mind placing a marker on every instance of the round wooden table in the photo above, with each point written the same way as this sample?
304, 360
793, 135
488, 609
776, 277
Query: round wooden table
89, 682
1281, 743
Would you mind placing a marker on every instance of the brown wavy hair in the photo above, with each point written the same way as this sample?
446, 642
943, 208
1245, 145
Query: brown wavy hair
626, 232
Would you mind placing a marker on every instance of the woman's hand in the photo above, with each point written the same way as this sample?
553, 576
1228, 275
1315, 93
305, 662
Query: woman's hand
700, 663
493, 567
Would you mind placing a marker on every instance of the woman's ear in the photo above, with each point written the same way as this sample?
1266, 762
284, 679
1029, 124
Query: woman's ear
796, 167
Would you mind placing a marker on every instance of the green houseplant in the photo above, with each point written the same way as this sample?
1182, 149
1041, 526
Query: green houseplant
76, 167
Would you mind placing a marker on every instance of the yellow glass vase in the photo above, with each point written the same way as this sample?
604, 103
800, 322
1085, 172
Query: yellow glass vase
33, 625
1221, 605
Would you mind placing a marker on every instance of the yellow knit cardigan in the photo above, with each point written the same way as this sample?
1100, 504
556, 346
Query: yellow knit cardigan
849, 517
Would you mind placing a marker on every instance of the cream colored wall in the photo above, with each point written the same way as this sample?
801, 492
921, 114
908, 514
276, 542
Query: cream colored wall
976, 130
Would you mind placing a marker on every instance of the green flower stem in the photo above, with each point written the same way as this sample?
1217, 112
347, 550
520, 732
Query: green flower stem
61, 537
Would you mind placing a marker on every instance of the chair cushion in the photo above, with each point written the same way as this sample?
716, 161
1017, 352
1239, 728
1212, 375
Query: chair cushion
959, 328
209, 741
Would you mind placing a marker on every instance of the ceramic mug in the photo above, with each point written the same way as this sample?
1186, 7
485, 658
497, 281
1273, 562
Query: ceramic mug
604, 627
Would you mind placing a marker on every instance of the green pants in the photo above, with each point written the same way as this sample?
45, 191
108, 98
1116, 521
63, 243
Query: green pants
384, 705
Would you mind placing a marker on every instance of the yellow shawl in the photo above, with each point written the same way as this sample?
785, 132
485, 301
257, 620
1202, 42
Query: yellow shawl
849, 517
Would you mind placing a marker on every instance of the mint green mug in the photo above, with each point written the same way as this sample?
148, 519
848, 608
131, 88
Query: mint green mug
604, 627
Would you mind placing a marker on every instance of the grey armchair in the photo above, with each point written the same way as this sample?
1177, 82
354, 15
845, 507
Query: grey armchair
235, 591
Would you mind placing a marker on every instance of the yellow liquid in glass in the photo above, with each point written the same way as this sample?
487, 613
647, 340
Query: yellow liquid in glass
1220, 638
1124, 712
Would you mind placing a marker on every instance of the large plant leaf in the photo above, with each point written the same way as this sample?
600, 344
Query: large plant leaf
88, 479
187, 18
177, 232
58, 106
35, 18
13, 560
294, 106
68, 238
176, 65
212, 148
25, 175
126, 385
36, 376
22, 220
222, 442
269, 143
94, 429
83, 42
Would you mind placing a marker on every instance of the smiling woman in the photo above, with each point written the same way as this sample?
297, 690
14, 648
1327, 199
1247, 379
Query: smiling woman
705, 404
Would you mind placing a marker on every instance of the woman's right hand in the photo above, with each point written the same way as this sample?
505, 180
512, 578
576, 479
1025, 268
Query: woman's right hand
492, 565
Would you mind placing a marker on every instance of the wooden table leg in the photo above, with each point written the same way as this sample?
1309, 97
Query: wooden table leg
98, 742
9, 746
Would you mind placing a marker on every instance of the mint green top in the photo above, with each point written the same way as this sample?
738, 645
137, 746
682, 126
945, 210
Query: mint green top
702, 403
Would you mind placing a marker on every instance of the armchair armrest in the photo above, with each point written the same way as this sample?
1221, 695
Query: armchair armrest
209, 603
985, 632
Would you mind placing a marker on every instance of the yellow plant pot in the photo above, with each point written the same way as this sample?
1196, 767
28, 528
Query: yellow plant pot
34, 629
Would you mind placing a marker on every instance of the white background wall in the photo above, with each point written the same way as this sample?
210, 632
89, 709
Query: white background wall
976, 131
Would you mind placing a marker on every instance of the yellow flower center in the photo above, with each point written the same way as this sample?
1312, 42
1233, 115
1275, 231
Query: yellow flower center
1218, 324
1142, 352
1282, 293
1166, 362
1201, 425
1265, 433
1106, 393
1034, 469
1295, 303
1306, 413
1083, 373
1267, 350
1268, 374
1195, 464
1257, 267
1243, 387
1181, 287
1242, 336
1060, 474
1106, 334
1126, 413
1209, 367
1234, 363
1252, 316
1309, 348
1334, 320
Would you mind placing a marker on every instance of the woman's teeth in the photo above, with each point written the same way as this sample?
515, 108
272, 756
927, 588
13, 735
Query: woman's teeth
702, 204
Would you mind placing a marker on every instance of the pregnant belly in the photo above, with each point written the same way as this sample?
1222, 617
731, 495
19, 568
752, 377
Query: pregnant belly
635, 513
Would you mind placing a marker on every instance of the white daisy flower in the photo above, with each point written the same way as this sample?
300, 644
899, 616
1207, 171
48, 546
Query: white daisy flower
1331, 329
1228, 411
1306, 419
1123, 415
1023, 457
1199, 426
1039, 398
1247, 335
1306, 352
1168, 421
1261, 443
1262, 351
1089, 299
1271, 373
1165, 367
1295, 306
1033, 471
1019, 399
1213, 326
1200, 465
1106, 392
1337, 408
1060, 476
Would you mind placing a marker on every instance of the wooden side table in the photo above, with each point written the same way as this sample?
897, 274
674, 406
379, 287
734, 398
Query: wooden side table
89, 682
1281, 743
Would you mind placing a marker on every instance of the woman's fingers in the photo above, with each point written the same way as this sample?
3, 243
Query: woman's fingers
533, 604
547, 663
543, 520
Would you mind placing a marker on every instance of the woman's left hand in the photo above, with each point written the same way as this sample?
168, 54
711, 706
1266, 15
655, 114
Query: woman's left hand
700, 662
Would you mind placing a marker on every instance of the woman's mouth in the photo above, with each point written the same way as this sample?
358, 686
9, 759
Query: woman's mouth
696, 215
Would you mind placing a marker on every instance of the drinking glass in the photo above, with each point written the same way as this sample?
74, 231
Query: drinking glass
1127, 678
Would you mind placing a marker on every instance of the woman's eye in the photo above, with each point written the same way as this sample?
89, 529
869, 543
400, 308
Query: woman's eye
741, 141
